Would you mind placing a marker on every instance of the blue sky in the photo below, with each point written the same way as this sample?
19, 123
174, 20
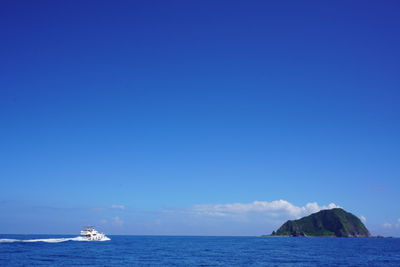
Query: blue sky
197, 117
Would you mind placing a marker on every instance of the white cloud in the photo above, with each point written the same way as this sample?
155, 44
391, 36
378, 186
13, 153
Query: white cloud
118, 207
387, 225
277, 208
392, 225
112, 207
363, 219
117, 221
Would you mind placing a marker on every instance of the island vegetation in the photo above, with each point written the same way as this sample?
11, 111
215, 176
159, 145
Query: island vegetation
325, 223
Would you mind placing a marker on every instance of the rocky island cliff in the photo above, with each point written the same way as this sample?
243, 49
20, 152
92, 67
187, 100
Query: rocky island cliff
333, 223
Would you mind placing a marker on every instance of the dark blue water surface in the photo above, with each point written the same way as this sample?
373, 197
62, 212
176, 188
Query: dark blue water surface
202, 251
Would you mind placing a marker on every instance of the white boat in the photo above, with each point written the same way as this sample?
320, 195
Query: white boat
91, 234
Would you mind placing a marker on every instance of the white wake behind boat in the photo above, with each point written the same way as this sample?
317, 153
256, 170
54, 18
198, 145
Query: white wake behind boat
91, 234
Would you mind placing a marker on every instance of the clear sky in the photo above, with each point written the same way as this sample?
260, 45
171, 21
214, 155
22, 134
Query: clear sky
176, 117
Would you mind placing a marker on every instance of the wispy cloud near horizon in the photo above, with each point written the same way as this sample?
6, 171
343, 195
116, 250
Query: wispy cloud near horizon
253, 218
392, 225
272, 209
118, 207
111, 207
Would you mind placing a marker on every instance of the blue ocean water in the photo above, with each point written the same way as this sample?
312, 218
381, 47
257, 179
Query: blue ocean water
199, 251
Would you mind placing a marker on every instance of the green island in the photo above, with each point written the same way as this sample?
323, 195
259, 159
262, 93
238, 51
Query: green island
325, 223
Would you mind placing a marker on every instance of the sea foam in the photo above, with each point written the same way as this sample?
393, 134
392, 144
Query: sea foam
48, 240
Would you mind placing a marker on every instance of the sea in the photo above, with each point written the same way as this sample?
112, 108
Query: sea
44, 250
